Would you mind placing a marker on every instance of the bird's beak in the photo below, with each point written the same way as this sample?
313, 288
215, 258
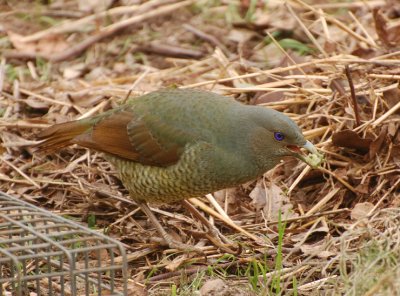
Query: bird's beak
310, 147
314, 159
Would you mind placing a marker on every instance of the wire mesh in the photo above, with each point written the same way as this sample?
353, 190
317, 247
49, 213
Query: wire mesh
45, 254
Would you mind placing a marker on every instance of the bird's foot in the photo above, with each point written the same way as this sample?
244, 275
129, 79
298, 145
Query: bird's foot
219, 240
185, 248
222, 242
169, 240
213, 234
213, 231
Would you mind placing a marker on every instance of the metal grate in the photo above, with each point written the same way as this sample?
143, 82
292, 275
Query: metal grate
43, 253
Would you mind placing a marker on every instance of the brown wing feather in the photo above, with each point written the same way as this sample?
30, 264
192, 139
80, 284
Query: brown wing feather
149, 148
111, 135
60, 135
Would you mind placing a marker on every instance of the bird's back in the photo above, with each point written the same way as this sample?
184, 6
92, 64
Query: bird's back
199, 115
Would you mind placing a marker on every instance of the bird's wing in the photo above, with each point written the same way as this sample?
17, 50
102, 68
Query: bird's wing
142, 139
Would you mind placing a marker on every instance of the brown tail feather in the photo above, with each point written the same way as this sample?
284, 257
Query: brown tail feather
60, 135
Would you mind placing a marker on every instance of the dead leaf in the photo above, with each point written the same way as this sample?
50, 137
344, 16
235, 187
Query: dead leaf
227, 196
361, 210
136, 289
364, 188
258, 195
130, 2
350, 139
330, 46
317, 249
303, 236
47, 46
392, 129
391, 97
270, 53
74, 71
176, 263
36, 103
395, 202
2, 149
380, 26
98, 73
94, 5
376, 144
349, 110
272, 200
279, 18
240, 36
273, 96
388, 29
337, 85
396, 153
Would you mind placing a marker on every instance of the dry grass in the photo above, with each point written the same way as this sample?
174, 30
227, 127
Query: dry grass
341, 227
368, 255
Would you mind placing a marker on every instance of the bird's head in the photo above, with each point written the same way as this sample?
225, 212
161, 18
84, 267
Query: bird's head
280, 136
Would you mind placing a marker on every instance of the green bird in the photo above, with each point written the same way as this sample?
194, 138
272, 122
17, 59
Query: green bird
175, 144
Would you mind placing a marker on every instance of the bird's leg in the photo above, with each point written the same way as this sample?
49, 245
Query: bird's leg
172, 243
214, 234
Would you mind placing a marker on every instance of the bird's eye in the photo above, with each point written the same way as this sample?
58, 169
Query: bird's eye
279, 136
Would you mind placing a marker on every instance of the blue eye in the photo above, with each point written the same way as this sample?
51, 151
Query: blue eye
279, 136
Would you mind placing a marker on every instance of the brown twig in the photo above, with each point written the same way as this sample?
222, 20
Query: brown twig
207, 37
169, 50
353, 95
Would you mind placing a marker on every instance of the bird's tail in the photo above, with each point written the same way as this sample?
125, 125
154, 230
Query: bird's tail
61, 135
